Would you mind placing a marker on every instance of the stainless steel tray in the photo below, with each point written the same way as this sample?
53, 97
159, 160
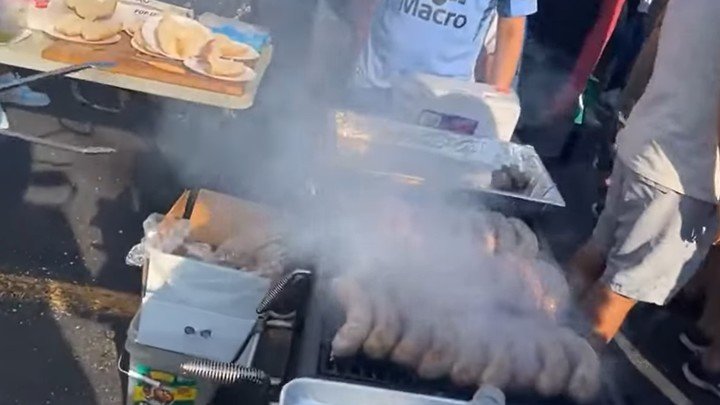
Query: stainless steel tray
310, 391
417, 155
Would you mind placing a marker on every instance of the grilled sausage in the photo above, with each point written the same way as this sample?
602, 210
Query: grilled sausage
358, 317
499, 370
386, 332
438, 361
525, 360
415, 341
555, 366
584, 383
526, 243
470, 365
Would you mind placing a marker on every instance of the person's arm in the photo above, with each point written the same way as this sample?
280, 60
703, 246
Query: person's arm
593, 47
510, 38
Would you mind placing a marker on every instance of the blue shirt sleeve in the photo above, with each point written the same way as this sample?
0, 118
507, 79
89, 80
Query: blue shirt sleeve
516, 8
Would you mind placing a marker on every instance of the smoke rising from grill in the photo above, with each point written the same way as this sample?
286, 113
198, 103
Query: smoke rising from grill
406, 243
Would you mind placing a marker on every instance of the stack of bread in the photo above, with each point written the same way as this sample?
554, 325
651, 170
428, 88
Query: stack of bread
184, 39
90, 21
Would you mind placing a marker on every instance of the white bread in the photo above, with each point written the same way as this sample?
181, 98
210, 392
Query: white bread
93, 9
100, 30
180, 40
70, 25
217, 66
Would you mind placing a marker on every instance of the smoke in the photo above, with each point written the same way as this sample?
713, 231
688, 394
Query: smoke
410, 243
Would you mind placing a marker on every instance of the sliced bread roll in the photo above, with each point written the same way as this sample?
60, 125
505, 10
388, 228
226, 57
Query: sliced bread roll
100, 30
93, 9
70, 25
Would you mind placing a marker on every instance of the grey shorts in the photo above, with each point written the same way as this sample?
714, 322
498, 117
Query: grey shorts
654, 238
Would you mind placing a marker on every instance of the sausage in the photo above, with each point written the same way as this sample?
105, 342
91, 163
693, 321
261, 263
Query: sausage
555, 365
499, 370
386, 332
526, 243
505, 234
584, 384
484, 232
525, 360
358, 317
415, 341
470, 365
438, 361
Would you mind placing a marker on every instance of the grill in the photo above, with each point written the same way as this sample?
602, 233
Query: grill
363, 370
312, 358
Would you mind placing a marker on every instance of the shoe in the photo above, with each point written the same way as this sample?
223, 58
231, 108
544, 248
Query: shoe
695, 341
697, 376
4, 123
22, 95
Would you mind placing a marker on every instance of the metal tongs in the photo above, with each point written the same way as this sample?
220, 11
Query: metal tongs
88, 150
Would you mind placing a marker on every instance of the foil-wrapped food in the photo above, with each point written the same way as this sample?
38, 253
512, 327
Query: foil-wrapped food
420, 156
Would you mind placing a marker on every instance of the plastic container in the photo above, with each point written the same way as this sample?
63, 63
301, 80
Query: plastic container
157, 365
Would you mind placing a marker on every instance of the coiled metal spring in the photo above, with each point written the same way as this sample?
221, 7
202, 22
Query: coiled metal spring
278, 289
223, 373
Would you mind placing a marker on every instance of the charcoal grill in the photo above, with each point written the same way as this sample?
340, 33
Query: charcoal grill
311, 357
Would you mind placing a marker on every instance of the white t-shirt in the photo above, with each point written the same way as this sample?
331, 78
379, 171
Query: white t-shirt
671, 136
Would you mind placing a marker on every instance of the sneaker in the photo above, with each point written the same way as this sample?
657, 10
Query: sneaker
22, 95
697, 376
695, 341
4, 123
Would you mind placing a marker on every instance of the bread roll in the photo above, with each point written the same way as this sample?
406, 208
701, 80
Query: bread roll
231, 49
217, 66
100, 30
70, 25
180, 39
92, 10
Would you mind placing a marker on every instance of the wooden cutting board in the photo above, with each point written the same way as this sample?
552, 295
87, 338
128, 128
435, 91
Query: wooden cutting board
132, 63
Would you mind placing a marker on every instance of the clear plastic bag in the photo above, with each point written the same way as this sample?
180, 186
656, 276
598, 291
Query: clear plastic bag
165, 236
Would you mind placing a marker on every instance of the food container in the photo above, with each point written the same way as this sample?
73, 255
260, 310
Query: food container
310, 391
431, 158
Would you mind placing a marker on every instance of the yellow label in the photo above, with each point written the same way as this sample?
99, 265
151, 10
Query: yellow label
162, 376
164, 395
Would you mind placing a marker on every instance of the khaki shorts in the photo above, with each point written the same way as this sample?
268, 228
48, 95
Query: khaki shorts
654, 238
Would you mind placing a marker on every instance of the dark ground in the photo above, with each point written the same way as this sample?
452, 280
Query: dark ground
69, 220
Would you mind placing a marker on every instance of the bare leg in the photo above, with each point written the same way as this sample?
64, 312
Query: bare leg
608, 311
585, 269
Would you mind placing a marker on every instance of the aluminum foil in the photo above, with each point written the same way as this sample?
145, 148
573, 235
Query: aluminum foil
417, 155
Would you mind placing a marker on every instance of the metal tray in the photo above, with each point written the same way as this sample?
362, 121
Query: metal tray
310, 391
421, 156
